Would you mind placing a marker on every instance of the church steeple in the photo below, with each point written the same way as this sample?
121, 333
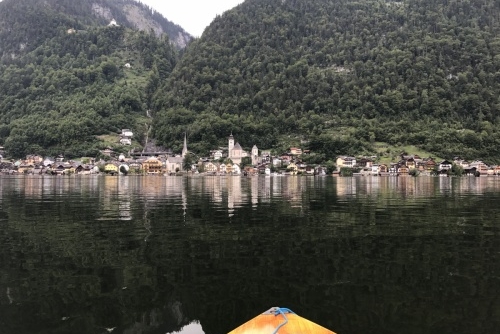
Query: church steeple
230, 145
185, 147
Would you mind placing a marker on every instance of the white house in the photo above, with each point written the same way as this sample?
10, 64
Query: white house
125, 141
445, 165
217, 155
127, 133
236, 169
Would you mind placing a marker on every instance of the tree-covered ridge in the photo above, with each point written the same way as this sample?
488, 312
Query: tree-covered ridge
74, 87
342, 75
26, 24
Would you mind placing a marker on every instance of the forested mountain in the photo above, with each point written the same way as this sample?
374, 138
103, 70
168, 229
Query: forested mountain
341, 75
334, 76
75, 83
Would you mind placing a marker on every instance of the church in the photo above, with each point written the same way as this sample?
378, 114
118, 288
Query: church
236, 153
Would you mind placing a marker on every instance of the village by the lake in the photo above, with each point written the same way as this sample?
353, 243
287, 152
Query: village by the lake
234, 160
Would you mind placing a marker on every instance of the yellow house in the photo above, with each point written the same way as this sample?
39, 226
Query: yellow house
292, 168
111, 168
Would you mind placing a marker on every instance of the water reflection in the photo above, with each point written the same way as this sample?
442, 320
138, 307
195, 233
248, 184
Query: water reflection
84, 254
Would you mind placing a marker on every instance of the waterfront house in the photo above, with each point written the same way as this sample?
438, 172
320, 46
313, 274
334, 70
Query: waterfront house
211, 167
444, 166
25, 168
344, 161
111, 168
410, 163
403, 170
48, 161
496, 170
222, 168
236, 169
480, 166
309, 170
152, 166
292, 168
62, 168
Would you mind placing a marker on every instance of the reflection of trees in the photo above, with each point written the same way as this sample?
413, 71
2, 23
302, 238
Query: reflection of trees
425, 264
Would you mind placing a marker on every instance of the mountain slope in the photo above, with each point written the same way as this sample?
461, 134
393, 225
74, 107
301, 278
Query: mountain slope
25, 24
342, 75
70, 91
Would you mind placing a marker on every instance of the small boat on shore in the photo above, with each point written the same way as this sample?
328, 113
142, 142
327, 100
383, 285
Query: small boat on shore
279, 320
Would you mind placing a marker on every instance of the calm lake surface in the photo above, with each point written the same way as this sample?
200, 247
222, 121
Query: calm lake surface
193, 255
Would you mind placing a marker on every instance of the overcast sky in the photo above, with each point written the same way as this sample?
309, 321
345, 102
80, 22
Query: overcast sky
192, 15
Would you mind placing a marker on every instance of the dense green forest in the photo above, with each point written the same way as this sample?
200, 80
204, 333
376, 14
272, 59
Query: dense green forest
339, 76
72, 93
335, 77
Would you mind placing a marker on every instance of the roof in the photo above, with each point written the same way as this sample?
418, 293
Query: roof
237, 146
175, 160
283, 319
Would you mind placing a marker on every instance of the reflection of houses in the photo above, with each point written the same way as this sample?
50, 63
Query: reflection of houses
152, 166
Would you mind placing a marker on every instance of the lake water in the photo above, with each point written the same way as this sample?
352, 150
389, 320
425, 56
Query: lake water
193, 255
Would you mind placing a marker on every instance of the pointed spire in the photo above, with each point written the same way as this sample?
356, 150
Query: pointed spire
185, 147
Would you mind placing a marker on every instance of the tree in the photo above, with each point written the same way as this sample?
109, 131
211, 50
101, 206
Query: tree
189, 160
246, 161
